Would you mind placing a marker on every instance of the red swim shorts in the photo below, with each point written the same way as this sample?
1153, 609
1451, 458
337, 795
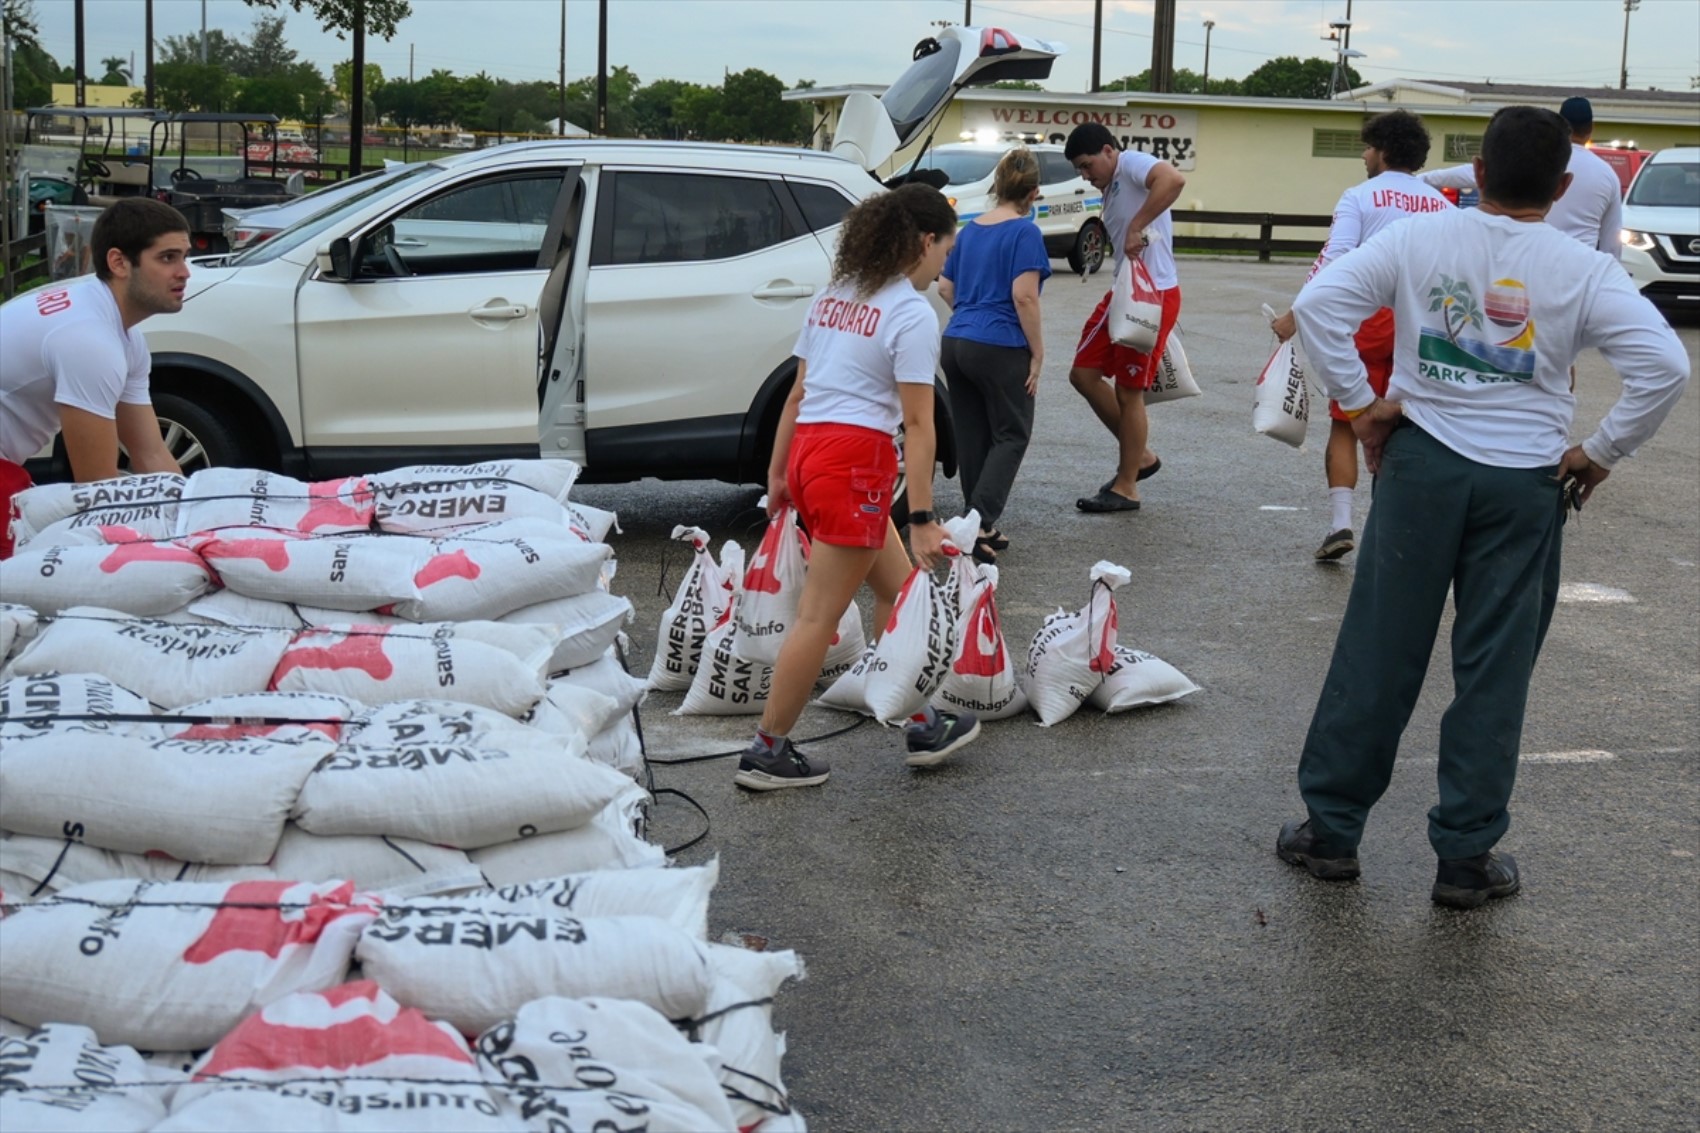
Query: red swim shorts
1129, 369
1374, 341
841, 479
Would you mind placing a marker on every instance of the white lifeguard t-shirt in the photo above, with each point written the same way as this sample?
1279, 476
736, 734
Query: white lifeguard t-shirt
1123, 198
1365, 209
857, 351
65, 345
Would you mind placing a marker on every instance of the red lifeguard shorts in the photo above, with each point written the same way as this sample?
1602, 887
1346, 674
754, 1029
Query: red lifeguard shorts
13, 479
1375, 346
841, 479
1128, 368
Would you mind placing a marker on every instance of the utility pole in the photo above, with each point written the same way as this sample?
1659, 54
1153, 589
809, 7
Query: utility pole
357, 91
203, 30
1623, 69
148, 62
1097, 42
602, 69
1163, 47
1209, 26
81, 95
967, 13
561, 124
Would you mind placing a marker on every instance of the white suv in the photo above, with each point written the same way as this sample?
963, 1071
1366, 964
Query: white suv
627, 304
1661, 228
1067, 211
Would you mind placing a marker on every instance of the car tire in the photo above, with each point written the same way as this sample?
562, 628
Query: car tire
195, 436
1090, 245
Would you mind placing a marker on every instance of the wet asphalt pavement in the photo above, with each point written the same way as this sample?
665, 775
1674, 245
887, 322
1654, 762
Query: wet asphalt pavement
1085, 927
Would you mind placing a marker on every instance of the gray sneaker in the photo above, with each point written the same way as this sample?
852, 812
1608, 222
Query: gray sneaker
930, 745
762, 770
1338, 545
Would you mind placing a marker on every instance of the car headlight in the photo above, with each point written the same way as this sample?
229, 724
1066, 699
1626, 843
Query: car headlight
1640, 241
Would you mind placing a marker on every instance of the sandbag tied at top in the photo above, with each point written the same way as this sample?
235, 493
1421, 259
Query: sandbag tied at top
146, 503
218, 498
1072, 651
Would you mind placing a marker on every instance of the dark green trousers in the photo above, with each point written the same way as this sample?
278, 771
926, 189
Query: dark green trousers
1438, 522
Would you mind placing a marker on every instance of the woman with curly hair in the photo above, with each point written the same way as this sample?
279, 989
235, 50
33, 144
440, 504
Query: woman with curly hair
868, 353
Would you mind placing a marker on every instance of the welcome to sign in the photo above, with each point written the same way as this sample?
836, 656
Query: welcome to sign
1171, 135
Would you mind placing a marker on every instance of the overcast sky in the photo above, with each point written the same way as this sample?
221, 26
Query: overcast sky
1564, 42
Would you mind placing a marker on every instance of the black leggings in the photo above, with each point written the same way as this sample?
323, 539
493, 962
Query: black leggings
993, 415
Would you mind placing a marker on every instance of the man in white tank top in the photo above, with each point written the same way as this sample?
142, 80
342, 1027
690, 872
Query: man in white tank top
1395, 147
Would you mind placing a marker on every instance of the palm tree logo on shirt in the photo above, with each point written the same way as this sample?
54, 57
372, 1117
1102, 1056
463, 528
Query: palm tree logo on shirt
1459, 352
1455, 298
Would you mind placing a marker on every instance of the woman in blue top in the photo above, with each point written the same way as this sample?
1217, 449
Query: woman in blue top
993, 349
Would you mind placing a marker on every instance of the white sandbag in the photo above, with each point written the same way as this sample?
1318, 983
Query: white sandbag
726, 684
437, 504
174, 965
740, 1026
607, 842
1135, 316
631, 1069
698, 603
60, 1077
393, 867
1137, 678
219, 498
574, 709
592, 524
403, 722
347, 1058
51, 703
846, 647
493, 790
607, 676
17, 625
772, 586
95, 529
226, 607
1072, 651
553, 477
618, 746
677, 896
374, 664
16, 889
147, 503
142, 579
1174, 375
475, 968
52, 864
1282, 407
280, 716
217, 801
495, 573
902, 671
353, 572
586, 625
983, 675
168, 664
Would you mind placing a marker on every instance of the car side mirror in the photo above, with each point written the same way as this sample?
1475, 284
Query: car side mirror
336, 260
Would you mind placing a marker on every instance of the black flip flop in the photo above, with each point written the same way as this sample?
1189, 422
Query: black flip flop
1106, 501
1145, 473
984, 552
995, 540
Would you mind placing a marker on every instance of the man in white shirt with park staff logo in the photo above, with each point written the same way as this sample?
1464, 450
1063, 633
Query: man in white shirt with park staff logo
1474, 471
1395, 147
1138, 192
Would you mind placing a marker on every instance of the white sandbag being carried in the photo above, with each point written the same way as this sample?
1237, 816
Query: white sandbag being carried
142, 579
678, 896
374, 664
497, 570
280, 716
174, 965
492, 790
349, 1057
1136, 679
630, 1067
170, 665
983, 676
773, 584
726, 684
1072, 651
740, 1026
902, 671
353, 572
698, 604
586, 625
846, 647
59, 1076
70, 702
607, 842
217, 498
475, 968
1282, 407
218, 801
147, 503
1136, 307
1174, 374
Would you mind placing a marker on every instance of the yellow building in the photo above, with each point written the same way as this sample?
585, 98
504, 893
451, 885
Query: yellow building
1272, 155
65, 94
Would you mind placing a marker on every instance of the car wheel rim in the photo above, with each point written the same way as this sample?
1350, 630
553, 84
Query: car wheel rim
185, 448
1094, 248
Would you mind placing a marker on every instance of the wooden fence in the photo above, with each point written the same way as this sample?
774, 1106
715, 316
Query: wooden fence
1264, 243
26, 265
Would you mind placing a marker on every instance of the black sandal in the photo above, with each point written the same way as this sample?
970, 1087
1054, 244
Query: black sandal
984, 552
995, 540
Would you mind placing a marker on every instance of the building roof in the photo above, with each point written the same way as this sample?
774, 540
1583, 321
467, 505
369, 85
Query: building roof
1498, 94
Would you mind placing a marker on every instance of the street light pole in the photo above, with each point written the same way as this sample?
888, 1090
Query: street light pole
561, 125
1623, 68
1209, 26
1097, 42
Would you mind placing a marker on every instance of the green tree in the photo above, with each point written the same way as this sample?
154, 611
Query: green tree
342, 79
266, 53
1290, 77
1016, 84
116, 71
35, 71
654, 109
751, 110
222, 51
193, 86
1185, 82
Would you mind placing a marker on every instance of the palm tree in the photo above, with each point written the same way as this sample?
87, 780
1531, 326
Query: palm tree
1459, 303
116, 67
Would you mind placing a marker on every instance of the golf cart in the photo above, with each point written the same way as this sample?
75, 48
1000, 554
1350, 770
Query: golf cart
66, 169
215, 182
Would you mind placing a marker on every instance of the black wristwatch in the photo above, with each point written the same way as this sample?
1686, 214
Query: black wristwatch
921, 516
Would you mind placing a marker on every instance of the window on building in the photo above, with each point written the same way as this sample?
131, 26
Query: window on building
1336, 143
1463, 147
